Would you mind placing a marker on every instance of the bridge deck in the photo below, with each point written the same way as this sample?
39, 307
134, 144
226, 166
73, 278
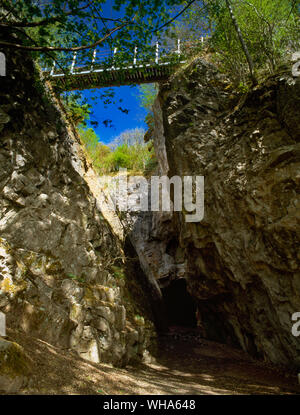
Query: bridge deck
113, 68
88, 79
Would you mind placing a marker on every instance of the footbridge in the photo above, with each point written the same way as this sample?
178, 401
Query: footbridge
108, 68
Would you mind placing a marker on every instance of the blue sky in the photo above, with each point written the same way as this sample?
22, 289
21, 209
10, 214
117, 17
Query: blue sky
128, 94
120, 121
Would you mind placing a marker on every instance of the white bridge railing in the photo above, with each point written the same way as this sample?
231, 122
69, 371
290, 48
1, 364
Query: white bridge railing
113, 60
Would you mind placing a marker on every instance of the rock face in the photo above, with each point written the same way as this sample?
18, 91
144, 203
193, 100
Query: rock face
242, 260
15, 367
62, 269
147, 235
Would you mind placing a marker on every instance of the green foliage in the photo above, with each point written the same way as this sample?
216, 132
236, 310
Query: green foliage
195, 22
118, 272
77, 108
90, 140
146, 95
133, 137
82, 22
47, 27
270, 30
76, 278
121, 157
139, 320
96, 151
130, 151
80, 109
127, 151
242, 87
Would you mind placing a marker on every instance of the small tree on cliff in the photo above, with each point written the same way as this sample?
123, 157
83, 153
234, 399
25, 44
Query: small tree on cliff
246, 36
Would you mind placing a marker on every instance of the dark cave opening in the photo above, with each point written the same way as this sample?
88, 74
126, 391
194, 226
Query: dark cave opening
180, 305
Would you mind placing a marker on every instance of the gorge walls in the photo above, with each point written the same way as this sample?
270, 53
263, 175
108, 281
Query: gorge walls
64, 275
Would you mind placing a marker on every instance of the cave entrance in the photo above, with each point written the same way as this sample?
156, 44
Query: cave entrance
180, 305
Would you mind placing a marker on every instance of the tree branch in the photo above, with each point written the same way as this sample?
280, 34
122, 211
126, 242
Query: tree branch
47, 20
242, 42
174, 18
60, 49
9, 10
46, 53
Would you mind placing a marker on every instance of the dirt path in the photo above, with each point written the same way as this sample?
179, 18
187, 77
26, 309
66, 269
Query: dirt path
181, 368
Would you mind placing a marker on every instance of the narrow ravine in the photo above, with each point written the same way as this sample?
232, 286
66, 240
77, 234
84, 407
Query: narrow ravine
95, 300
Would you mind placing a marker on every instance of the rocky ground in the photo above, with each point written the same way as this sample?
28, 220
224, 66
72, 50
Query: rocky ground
182, 367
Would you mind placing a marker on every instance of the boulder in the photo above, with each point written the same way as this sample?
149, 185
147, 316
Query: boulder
15, 367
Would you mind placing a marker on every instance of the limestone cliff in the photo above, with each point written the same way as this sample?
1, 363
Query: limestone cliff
242, 260
63, 273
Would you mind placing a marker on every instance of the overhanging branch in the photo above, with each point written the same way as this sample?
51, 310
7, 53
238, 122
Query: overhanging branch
46, 21
60, 49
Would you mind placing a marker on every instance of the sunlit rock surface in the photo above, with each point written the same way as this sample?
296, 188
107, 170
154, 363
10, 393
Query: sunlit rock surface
62, 269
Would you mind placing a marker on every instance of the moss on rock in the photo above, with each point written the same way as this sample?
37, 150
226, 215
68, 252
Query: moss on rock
15, 366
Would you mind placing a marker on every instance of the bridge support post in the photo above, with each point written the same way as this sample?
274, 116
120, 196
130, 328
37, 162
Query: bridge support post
93, 60
178, 47
73, 63
157, 53
114, 54
52, 70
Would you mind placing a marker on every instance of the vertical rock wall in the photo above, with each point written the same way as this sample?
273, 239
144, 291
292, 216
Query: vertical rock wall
243, 263
62, 269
